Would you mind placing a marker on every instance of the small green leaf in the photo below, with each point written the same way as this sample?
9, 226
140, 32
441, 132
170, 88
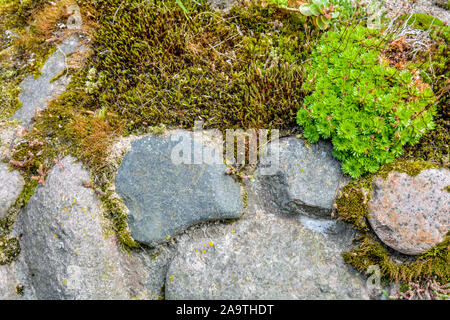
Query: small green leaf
322, 23
305, 10
335, 14
315, 10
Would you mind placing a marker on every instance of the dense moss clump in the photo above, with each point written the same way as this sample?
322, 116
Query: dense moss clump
422, 21
236, 69
353, 208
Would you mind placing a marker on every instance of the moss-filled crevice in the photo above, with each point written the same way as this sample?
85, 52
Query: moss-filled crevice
9, 249
432, 264
26, 28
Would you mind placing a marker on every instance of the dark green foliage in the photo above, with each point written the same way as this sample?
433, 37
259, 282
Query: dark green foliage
235, 69
368, 109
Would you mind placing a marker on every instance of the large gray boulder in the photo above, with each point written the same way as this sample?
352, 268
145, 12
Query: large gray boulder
65, 247
411, 214
306, 178
11, 184
265, 255
165, 197
37, 93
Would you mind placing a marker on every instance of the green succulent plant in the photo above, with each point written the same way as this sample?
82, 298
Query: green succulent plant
367, 108
320, 11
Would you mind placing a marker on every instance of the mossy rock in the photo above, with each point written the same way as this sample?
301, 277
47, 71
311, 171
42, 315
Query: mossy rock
353, 208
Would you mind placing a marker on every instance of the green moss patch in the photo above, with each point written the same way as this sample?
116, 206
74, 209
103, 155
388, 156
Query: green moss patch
9, 250
422, 21
433, 263
236, 69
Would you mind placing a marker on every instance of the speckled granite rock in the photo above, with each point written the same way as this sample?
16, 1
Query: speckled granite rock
37, 93
11, 184
411, 214
265, 255
164, 198
65, 250
307, 177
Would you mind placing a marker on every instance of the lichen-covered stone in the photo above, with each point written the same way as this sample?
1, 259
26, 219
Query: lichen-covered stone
36, 93
164, 198
265, 255
411, 214
307, 178
11, 184
65, 250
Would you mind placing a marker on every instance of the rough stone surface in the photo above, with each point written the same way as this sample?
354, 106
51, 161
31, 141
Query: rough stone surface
7, 283
222, 4
411, 214
306, 179
265, 255
37, 93
164, 198
11, 184
394, 8
64, 247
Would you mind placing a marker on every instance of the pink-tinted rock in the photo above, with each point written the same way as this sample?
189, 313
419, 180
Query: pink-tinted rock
411, 214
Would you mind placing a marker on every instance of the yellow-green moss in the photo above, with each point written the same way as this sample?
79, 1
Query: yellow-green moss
433, 263
120, 221
9, 249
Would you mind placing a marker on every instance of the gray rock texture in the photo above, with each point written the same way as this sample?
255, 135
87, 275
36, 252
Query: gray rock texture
66, 251
222, 4
7, 283
37, 93
165, 198
411, 214
11, 184
306, 179
265, 255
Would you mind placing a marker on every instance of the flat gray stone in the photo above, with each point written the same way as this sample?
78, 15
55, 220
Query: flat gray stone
305, 180
265, 255
164, 198
11, 184
65, 250
37, 93
411, 214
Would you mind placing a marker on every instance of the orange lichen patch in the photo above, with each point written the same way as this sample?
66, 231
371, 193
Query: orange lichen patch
95, 136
